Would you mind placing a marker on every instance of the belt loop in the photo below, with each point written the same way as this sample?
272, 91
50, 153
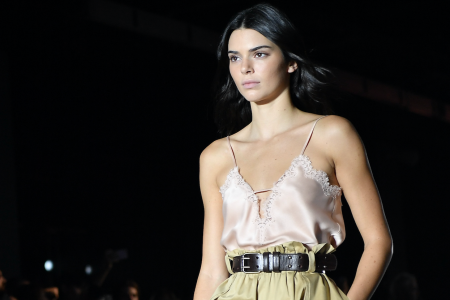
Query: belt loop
276, 262
312, 262
266, 261
270, 262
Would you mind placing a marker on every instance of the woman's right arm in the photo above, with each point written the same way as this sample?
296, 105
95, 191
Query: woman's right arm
213, 270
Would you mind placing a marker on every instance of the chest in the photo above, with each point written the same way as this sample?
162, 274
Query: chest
262, 164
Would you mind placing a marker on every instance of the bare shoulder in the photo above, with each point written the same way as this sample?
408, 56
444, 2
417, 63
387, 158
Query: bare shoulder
338, 135
334, 128
214, 160
214, 156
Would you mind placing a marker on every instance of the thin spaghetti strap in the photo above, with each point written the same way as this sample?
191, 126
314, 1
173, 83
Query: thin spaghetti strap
310, 134
232, 152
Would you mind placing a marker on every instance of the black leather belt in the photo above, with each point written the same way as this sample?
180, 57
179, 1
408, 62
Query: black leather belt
277, 262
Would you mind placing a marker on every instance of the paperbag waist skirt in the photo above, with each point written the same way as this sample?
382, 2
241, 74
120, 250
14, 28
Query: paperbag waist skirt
286, 285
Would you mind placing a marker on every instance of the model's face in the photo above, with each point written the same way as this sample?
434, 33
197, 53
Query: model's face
257, 65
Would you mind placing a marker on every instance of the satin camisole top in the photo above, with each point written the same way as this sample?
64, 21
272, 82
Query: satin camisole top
302, 207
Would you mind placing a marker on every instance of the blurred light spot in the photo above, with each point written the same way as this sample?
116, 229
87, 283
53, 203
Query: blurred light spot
48, 265
88, 269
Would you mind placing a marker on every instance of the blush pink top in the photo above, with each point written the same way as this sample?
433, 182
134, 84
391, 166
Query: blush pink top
302, 207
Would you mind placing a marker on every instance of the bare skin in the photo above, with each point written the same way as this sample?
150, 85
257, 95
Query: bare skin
265, 149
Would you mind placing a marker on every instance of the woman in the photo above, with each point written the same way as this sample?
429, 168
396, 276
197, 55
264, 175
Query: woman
271, 189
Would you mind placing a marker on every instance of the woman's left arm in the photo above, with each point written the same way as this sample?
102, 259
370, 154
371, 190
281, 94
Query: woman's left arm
355, 177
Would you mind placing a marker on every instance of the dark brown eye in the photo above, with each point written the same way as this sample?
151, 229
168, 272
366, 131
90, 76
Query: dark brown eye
260, 54
233, 58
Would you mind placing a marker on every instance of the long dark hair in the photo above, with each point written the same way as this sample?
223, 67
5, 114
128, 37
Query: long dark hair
307, 83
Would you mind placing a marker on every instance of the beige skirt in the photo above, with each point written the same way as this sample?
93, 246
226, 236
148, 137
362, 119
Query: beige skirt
289, 285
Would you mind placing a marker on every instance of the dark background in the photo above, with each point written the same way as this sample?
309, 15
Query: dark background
108, 125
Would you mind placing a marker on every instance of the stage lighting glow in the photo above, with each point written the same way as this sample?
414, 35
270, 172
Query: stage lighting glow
88, 270
48, 265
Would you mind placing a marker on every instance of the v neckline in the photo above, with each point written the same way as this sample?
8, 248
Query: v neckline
273, 185
279, 179
323, 180
273, 191
282, 175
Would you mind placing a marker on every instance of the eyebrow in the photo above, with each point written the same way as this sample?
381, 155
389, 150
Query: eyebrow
252, 49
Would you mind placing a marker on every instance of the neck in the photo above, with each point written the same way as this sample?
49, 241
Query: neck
270, 118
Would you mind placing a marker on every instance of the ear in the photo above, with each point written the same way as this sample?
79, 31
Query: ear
292, 67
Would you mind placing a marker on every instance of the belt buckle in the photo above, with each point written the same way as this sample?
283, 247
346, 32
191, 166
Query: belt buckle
243, 266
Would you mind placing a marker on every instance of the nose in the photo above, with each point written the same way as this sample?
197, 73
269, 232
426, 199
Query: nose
246, 67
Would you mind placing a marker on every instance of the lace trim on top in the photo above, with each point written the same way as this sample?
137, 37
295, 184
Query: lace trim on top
227, 183
320, 176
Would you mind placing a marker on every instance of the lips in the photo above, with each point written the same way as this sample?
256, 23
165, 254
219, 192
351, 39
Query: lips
248, 84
